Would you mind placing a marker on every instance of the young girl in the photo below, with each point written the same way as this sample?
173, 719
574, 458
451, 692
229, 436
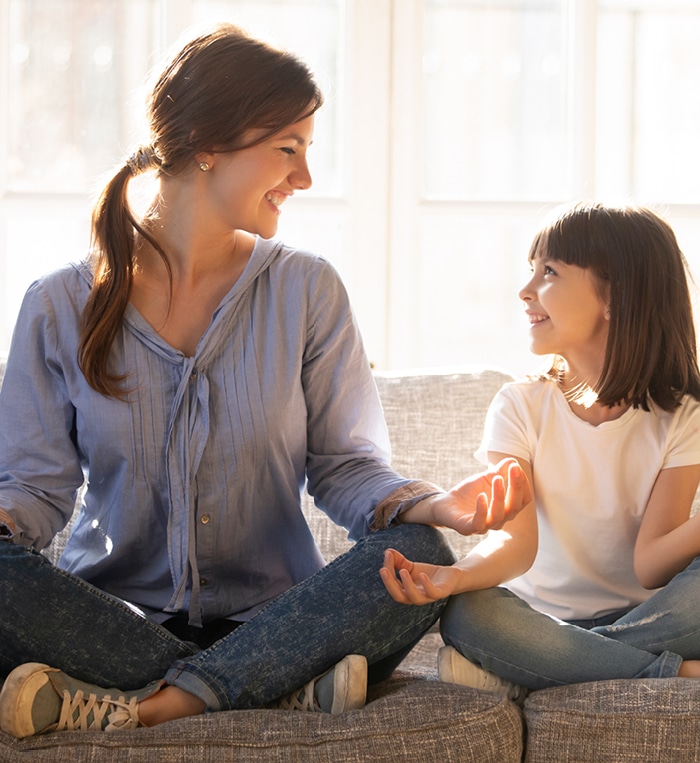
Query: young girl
199, 373
610, 438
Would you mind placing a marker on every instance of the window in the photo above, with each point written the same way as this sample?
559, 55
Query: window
450, 128
502, 109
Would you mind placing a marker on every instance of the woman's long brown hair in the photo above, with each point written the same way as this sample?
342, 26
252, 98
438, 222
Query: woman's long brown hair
218, 87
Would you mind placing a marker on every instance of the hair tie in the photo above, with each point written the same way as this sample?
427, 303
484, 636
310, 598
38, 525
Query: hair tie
142, 159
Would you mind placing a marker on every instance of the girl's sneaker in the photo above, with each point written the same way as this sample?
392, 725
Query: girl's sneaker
454, 668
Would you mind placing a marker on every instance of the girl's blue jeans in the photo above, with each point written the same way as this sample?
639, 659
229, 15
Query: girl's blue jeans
52, 617
502, 633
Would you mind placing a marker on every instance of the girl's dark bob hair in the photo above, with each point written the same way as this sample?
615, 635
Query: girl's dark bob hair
651, 351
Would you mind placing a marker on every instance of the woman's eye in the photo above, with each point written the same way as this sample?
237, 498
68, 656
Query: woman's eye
288, 150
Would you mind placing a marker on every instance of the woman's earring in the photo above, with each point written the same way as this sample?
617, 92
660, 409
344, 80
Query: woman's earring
204, 167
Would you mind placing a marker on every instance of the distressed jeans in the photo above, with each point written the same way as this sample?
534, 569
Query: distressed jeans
505, 635
52, 617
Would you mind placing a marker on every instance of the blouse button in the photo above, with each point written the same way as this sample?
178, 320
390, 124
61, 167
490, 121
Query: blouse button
205, 519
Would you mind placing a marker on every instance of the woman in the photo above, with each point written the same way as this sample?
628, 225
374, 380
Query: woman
198, 373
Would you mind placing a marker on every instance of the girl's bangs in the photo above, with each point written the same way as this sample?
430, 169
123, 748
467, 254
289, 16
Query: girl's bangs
567, 239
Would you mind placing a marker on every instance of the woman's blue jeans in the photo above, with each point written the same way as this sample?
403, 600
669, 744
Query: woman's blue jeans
52, 617
502, 633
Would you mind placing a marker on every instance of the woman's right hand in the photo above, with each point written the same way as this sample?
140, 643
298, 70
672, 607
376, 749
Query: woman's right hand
7, 526
482, 502
415, 582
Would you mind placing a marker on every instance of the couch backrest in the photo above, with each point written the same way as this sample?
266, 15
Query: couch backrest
435, 420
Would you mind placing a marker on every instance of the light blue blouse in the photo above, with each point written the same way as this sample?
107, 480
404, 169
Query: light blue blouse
193, 497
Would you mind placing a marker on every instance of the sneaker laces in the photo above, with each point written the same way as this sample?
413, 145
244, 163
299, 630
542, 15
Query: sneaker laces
494, 683
302, 699
491, 682
82, 712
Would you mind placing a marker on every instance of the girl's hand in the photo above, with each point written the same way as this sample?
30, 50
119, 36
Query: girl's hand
417, 583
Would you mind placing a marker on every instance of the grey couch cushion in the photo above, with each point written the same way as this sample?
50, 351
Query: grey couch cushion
621, 721
413, 721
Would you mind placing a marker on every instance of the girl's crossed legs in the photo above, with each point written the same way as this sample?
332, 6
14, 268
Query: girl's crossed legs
504, 635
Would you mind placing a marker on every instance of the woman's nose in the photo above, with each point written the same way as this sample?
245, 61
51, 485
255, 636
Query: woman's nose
301, 177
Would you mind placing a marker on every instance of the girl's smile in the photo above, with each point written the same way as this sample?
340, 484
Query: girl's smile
567, 312
535, 318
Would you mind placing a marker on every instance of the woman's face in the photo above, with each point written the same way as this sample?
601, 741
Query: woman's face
248, 187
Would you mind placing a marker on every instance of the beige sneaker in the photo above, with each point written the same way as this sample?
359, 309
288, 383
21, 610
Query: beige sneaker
342, 688
36, 699
454, 668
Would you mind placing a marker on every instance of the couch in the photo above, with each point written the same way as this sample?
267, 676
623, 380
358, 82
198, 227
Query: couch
435, 421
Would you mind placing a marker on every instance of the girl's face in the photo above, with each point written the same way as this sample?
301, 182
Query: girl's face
568, 314
247, 188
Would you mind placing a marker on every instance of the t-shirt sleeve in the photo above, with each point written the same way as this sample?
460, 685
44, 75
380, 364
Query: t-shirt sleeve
683, 447
507, 426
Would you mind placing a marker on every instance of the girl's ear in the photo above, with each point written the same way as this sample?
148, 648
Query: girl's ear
605, 298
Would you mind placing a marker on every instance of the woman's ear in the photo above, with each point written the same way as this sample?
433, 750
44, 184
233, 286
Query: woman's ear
205, 161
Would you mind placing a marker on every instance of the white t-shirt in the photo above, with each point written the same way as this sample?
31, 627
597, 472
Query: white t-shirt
592, 485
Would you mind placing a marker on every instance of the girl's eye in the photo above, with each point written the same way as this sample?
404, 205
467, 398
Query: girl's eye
549, 271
